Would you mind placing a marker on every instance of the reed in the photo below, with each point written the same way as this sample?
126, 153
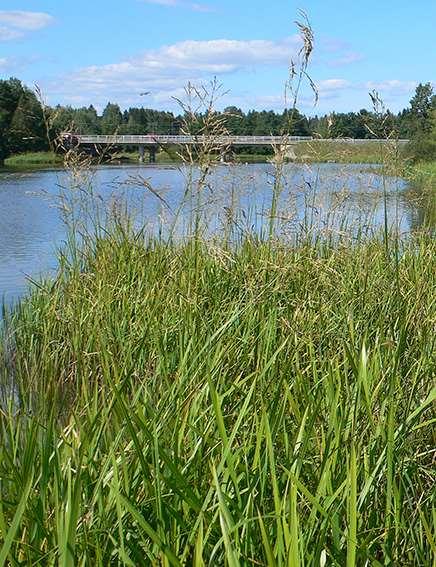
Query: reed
186, 404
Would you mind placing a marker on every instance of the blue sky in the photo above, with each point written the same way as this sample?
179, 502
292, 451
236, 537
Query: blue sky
92, 51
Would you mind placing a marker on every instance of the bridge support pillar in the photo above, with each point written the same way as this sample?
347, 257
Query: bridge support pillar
141, 153
152, 154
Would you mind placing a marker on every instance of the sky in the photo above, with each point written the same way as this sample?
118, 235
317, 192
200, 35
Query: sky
84, 52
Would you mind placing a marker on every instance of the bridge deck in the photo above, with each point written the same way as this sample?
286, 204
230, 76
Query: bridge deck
158, 140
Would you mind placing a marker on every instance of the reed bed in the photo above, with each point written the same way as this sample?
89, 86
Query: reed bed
200, 404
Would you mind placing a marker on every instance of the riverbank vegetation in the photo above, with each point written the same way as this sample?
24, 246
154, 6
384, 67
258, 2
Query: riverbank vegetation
428, 168
307, 152
205, 404
34, 159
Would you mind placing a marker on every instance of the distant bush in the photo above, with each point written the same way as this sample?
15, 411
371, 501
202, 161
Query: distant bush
423, 148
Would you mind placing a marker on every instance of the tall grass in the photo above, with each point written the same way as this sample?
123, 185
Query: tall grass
186, 404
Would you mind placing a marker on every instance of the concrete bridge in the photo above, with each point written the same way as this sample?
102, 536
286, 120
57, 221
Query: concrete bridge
152, 142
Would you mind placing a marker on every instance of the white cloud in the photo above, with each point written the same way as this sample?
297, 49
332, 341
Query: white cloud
392, 87
15, 63
165, 71
194, 6
333, 84
388, 89
15, 24
331, 88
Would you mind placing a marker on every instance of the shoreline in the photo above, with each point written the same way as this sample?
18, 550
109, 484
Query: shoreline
305, 153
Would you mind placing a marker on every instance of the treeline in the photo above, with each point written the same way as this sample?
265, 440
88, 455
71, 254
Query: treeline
21, 120
26, 125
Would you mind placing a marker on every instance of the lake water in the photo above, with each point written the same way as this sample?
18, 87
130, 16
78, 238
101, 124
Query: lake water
32, 226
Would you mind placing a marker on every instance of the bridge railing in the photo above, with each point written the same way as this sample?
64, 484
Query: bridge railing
152, 139
158, 139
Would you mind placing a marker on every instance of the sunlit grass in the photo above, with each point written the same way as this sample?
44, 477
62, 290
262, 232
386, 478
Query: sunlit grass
34, 159
314, 151
427, 169
191, 404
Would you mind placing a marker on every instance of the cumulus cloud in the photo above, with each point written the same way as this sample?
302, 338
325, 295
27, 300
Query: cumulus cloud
388, 89
16, 23
194, 6
15, 63
164, 71
391, 88
330, 89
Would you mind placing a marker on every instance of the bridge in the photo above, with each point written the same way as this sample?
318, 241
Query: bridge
155, 141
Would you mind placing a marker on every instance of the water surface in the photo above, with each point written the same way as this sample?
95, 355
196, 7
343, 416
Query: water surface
32, 225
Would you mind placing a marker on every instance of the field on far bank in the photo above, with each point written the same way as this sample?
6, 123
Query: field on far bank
341, 152
314, 151
34, 159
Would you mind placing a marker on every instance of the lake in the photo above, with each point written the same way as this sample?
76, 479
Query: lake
32, 225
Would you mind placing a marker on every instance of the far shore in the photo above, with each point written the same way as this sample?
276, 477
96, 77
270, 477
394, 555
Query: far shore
312, 152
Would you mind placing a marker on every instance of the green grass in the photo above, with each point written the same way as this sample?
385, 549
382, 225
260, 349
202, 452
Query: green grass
427, 169
196, 404
336, 151
318, 152
34, 159
332, 151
